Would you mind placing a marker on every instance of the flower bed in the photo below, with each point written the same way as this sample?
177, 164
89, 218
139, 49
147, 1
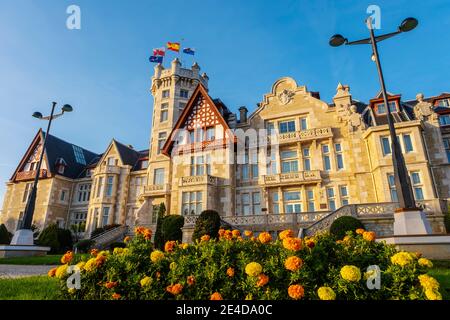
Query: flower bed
246, 267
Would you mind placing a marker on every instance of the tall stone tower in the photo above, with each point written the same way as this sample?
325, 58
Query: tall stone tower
171, 89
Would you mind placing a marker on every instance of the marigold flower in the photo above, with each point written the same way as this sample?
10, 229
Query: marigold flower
90, 265
81, 265
262, 280
52, 272
184, 246
67, 257
428, 282
293, 263
296, 291
146, 281
253, 269
249, 297
230, 272
216, 296
221, 233
169, 246
310, 243
61, 271
350, 273
402, 258
156, 256
360, 231
248, 233
158, 274
173, 265
175, 289
228, 235
293, 244
205, 238
424, 262
236, 233
139, 230
116, 296
286, 234
326, 293
264, 237
147, 234
190, 280
94, 252
369, 236
433, 294
100, 260
126, 239
347, 239
72, 290
110, 284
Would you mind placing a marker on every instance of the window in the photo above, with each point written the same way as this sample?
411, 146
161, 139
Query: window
331, 199
275, 204
270, 128
292, 202
62, 196
344, 195
197, 165
161, 140
60, 223
386, 145
392, 188
287, 126
303, 124
181, 106
184, 93
210, 134
289, 161
111, 161
144, 164
61, 168
447, 148
246, 204
339, 156
326, 157
164, 112
109, 186
138, 183
78, 219
306, 159
444, 120
417, 185
192, 203
256, 201
155, 211
166, 94
84, 192
105, 216
381, 109
99, 186
196, 135
443, 103
158, 176
407, 143
310, 198
254, 164
272, 164
27, 192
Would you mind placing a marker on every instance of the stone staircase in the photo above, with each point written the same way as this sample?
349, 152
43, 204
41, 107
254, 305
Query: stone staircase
104, 239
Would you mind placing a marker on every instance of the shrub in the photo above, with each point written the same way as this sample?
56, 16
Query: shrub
342, 225
59, 240
208, 223
447, 221
114, 245
5, 236
171, 228
83, 246
159, 240
99, 230
65, 240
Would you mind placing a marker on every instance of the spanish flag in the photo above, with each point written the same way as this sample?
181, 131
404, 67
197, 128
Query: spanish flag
174, 46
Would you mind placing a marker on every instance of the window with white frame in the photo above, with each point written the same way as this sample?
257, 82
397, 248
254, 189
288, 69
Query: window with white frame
99, 187
272, 163
245, 202
417, 185
192, 203
310, 200
289, 162
105, 216
111, 161
444, 120
210, 133
158, 176
78, 218
164, 112
199, 166
386, 145
303, 123
84, 192
63, 195
407, 143
286, 126
306, 159
326, 157
392, 188
166, 94
404, 140
155, 211
256, 202
109, 186
162, 136
275, 203
443, 103
292, 201
144, 164
331, 197
27, 191
343, 192
339, 156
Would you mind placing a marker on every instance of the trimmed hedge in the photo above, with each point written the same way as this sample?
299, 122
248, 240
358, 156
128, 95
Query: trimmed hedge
85, 245
59, 240
171, 228
208, 223
159, 239
342, 225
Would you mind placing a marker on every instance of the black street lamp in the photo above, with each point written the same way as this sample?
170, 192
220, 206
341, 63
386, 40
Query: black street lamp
401, 177
29, 209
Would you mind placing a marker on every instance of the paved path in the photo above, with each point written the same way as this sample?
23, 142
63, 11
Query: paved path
17, 271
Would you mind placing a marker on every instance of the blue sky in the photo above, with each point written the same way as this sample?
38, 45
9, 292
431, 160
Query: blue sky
103, 71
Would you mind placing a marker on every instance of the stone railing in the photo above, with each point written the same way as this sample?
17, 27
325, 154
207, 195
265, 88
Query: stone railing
198, 180
30, 175
200, 146
103, 239
108, 170
156, 189
292, 177
304, 135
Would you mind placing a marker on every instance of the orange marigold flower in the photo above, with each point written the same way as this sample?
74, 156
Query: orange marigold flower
296, 291
52, 272
347, 239
310, 243
240, 238
359, 231
67, 257
293, 263
169, 246
190, 280
294, 244
230, 272
264, 237
158, 274
99, 260
286, 234
111, 284
221, 232
94, 252
205, 238
175, 289
228, 235
126, 239
253, 238
262, 280
216, 296
248, 233
236, 233
369, 236
116, 296
147, 234
139, 230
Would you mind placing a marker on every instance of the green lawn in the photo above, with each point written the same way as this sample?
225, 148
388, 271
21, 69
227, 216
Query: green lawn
441, 271
29, 288
47, 260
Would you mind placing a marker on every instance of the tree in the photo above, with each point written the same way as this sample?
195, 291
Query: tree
159, 238
208, 223
5, 236
341, 225
59, 240
171, 228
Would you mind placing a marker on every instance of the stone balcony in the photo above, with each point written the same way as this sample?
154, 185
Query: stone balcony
291, 178
201, 146
108, 170
304, 135
156, 190
30, 175
198, 180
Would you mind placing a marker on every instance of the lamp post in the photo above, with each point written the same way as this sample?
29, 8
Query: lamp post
22, 236
401, 177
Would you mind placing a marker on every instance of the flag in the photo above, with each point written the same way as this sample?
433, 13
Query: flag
189, 51
158, 59
159, 52
174, 46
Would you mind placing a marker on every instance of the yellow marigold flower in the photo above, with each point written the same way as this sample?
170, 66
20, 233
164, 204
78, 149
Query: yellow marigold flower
169, 246
293, 244
61, 271
72, 290
253, 269
428, 282
326, 293
175, 289
116, 296
67, 257
369, 236
360, 231
173, 265
90, 265
286, 234
205, 238
296, 291
190, 280
146, 281
264, 237
81, 265
118, 251
249, 297
310, 243
216, 296
401, 258
184, 246
230, 272
424, 262
262, 280
221, 233
236, 233
126, 239
293, 263
94, 252
52, 272
350, 273
347, 239
156, 256
248, 233
110, 284
103, 253
433, 294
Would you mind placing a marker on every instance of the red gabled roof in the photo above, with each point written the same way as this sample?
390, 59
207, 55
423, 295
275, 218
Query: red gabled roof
199, 91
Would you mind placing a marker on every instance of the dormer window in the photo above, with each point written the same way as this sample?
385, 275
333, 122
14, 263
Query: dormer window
380, 108
443, 103
60, 165
144, 164
111, 161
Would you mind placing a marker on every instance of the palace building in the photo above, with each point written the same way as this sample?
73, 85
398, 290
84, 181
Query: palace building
315, 160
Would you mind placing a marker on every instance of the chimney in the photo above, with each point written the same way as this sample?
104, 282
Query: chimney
243, 114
